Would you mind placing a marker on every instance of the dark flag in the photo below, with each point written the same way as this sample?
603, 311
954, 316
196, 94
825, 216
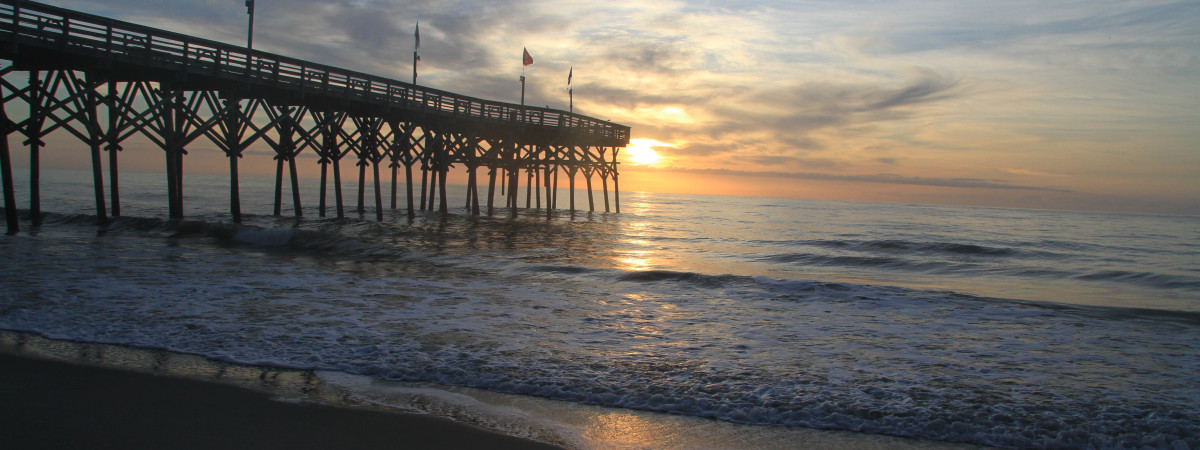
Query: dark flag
416, 46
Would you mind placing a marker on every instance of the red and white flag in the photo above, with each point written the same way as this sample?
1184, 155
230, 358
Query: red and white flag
526, 59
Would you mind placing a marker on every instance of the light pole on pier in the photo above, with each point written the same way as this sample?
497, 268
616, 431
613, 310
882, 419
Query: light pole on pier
416, 48
250, 31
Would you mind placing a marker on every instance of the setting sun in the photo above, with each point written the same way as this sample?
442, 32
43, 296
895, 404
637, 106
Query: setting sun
641, 151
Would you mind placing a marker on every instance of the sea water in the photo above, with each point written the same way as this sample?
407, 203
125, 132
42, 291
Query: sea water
1001, 327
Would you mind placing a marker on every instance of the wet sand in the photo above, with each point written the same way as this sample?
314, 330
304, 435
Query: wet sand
52, 404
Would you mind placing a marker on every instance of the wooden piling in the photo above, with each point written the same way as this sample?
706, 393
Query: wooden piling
235, 197
549, 193
299, 209
408, 177
604, 189
470, 186
173, 123
587, 174
551, 187
378, 193
529, 186
113, 145
616, 185
6, 176
571, 183
491, 197
433, 181
395, 168
337, 187
512, 191
324, 162
34, 134
554, 187
424, 183
362, 185
443, 204
95, 138
278, 186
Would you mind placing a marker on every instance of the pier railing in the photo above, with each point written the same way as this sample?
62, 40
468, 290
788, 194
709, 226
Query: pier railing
111, 42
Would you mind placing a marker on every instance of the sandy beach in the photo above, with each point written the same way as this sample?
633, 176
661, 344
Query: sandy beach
52, 404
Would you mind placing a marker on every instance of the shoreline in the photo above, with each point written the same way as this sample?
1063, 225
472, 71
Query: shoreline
72, 394
53, 401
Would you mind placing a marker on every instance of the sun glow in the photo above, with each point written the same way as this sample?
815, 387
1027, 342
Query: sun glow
641, 151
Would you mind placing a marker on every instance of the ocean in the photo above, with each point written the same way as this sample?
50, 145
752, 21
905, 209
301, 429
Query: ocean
683, 321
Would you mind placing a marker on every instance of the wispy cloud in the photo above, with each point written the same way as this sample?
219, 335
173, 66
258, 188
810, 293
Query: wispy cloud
1030, 172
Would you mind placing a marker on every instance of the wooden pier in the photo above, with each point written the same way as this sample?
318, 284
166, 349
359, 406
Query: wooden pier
104, 80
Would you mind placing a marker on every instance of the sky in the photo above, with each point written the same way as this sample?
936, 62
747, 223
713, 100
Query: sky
1081, 105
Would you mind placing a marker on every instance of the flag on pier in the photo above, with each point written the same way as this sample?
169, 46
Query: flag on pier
416, 46
570, 73
526, 59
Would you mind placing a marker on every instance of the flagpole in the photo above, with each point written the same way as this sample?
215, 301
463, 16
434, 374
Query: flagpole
525, 61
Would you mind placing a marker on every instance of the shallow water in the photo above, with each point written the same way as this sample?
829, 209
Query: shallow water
985, 326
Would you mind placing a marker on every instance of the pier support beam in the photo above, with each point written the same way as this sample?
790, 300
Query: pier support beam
235, 196
90, 98
514, 169
378, 193
6, 174
231, 127
403, 152
616, 185
112, 145
491, 197
328, 125
424, 183
33, 135
572, 169
604, 188
587, 175
286, 126
442, 156
174, 126
369, 154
